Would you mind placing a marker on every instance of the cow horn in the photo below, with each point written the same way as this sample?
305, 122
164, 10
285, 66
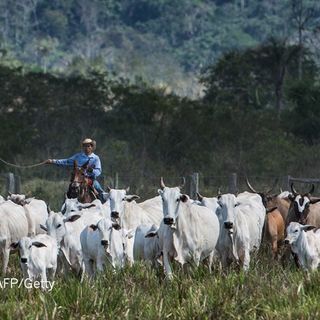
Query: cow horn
311, 190
9, 193
294, 191
200, 197
108, 189
162, 185
219, 192
273, 186
183, 183
128, 189
250, 187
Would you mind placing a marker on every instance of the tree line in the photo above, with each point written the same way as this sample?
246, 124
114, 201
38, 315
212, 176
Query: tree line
256, 117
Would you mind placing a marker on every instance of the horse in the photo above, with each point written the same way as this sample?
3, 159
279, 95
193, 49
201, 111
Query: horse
80, 186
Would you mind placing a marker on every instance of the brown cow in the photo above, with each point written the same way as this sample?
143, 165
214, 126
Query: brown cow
274, 230
276, 210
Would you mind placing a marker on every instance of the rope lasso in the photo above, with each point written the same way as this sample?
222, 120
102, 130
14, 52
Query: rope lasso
18, 166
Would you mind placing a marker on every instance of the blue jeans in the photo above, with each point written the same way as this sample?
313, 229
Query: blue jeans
98, 187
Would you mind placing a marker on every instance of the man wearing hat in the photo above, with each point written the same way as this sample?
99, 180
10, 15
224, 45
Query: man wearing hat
93, 165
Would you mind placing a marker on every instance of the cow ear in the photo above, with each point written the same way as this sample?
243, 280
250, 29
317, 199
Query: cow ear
94, 227
291, 197
72, 218
116, 226
63, 208
268, 210
307, 227
184, 198
38, 244
129, 233
313, 201
43, 227
129, 198
14, 245
27, 201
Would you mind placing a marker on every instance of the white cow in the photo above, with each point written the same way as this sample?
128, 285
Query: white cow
100, 242
67, 232
146, 243
304, 242
72, 206
153, 207
13, 226
38, 255
36, 212
189, 232
243, 219
212, 203
131, 214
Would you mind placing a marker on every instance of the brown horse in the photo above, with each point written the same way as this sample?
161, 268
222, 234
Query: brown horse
81, 186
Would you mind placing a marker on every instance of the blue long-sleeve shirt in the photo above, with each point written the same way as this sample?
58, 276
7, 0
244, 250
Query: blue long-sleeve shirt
82, 158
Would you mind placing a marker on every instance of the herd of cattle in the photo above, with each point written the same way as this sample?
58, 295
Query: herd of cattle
86, 238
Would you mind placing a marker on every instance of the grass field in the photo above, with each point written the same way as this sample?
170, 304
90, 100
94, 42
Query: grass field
267, 291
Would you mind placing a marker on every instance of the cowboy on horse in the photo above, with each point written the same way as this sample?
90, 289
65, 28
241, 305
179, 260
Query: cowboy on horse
88, 161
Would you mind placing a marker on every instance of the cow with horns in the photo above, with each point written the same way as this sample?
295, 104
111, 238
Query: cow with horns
188, 232
277, 211
304, 208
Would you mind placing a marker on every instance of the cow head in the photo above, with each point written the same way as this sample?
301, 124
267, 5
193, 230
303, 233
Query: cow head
117, 198
171, 199
265, 195
25, 245
211, 203
55, 225
17, 198
228, 203
105, 228
294, 231
72, 205
301, 203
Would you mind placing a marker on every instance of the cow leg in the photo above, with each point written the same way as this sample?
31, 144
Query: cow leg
166, 265
210, 261
100, 265
44, 279
314, 263
5, 259
88, 266
246, 260
52, 272
274, 244
296, 259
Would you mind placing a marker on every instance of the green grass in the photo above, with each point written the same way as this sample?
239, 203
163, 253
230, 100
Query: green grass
267, 291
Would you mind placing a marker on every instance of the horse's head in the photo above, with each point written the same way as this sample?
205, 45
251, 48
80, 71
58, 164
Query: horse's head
77, 180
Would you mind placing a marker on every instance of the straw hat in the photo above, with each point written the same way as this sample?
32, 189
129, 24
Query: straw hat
89, 141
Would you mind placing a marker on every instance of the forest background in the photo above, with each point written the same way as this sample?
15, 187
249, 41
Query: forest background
165, 87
